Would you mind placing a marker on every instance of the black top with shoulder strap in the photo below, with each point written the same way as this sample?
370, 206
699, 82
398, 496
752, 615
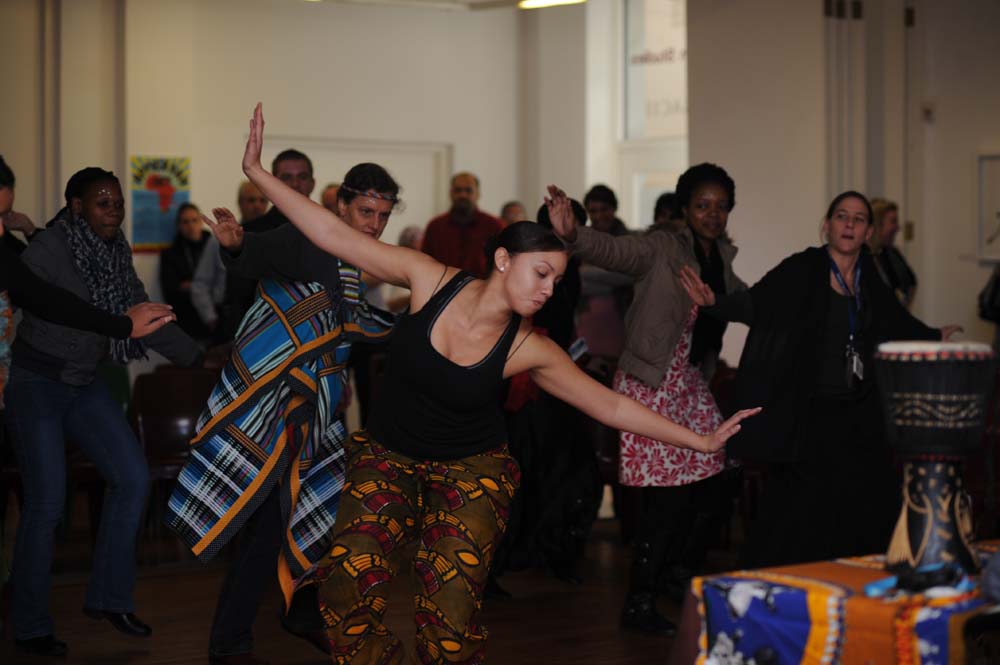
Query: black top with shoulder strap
431, 408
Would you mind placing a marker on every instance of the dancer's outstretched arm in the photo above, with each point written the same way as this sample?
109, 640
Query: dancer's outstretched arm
389, 263
556, 374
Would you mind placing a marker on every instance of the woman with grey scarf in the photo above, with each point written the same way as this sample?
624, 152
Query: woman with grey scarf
54, 394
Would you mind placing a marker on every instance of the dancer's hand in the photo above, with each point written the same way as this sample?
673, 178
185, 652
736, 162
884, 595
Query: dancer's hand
949, 331
226, 229
255, 142
717, 439
700, 292
561, 214
148, 317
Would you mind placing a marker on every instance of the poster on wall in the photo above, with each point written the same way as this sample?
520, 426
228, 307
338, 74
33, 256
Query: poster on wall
159, 186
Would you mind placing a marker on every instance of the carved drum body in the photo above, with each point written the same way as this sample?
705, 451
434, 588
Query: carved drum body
935, 399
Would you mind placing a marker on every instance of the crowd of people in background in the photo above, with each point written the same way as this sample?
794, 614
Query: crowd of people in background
508, 336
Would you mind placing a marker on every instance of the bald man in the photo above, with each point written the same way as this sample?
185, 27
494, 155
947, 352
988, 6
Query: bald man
457, 237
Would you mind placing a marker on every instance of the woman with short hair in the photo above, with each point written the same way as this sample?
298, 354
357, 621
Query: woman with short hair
670, 355
54, 394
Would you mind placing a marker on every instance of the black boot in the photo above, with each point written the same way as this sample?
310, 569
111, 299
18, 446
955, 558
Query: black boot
640, 614
675, 582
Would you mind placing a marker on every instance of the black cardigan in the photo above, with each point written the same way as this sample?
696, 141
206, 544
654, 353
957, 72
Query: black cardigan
786, 311
31, 292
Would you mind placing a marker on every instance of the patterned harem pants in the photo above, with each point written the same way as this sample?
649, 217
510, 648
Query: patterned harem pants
458, 511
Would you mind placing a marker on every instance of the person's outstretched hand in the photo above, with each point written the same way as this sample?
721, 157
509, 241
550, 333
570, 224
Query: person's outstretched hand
255, 142
227, 230
700, 292
148, 317
717, 439
561, 214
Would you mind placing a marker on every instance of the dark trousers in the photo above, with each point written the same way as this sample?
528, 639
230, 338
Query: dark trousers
42, 414
676, 529
840, 498
251, 574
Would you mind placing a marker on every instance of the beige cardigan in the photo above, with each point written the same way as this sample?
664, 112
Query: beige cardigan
655, 321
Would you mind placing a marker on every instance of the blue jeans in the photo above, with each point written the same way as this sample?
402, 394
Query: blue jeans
42, 414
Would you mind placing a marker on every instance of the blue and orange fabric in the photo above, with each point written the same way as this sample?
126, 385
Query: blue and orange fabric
457, 510
818, 613
271, 420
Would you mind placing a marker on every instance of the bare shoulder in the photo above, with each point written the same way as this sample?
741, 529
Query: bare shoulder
531, 350
429, 278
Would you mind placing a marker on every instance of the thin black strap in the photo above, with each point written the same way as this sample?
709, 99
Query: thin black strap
440, 279
511, 354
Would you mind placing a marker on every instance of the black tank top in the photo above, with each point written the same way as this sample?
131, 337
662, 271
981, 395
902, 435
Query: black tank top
429, 407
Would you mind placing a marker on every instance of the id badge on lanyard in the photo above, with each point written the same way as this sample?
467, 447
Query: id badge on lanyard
855, 368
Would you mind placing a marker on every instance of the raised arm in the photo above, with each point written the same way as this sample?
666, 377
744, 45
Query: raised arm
396, 265
555, 373
629, 254
276, 254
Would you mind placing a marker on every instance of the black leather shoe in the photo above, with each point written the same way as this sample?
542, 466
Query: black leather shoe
313, 636
46, 645
640, 614
124, 622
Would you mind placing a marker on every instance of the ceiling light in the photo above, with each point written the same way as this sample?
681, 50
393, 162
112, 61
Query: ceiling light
538, 4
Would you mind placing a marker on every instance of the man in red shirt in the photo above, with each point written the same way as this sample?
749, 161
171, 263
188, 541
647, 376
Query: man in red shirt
458, 237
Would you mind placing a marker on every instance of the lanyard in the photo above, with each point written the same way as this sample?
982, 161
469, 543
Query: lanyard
852, 312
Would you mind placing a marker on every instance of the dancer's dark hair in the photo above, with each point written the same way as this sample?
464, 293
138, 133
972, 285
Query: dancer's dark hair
523, 238
82, 180
702, 174
368, 177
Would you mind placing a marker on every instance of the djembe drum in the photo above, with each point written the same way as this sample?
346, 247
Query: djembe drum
935, 398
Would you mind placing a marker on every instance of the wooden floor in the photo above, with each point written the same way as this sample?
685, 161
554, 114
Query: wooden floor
547, 621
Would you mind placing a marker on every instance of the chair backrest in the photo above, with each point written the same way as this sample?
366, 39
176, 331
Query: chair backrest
165, 409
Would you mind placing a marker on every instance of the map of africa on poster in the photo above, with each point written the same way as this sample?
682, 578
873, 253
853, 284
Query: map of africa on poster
159, 186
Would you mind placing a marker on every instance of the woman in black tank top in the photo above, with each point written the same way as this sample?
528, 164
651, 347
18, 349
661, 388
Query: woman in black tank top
434, 465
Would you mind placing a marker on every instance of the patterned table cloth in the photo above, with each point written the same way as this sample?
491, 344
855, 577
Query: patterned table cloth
818, 613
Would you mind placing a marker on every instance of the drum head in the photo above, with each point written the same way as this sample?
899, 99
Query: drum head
932, 350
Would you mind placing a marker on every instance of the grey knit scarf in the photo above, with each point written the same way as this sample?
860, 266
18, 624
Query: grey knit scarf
107, 270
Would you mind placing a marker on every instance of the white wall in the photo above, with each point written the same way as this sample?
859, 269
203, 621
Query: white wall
514, 95
756, 100
324, 71
552, 86
960, 58
20, 112
91, 92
